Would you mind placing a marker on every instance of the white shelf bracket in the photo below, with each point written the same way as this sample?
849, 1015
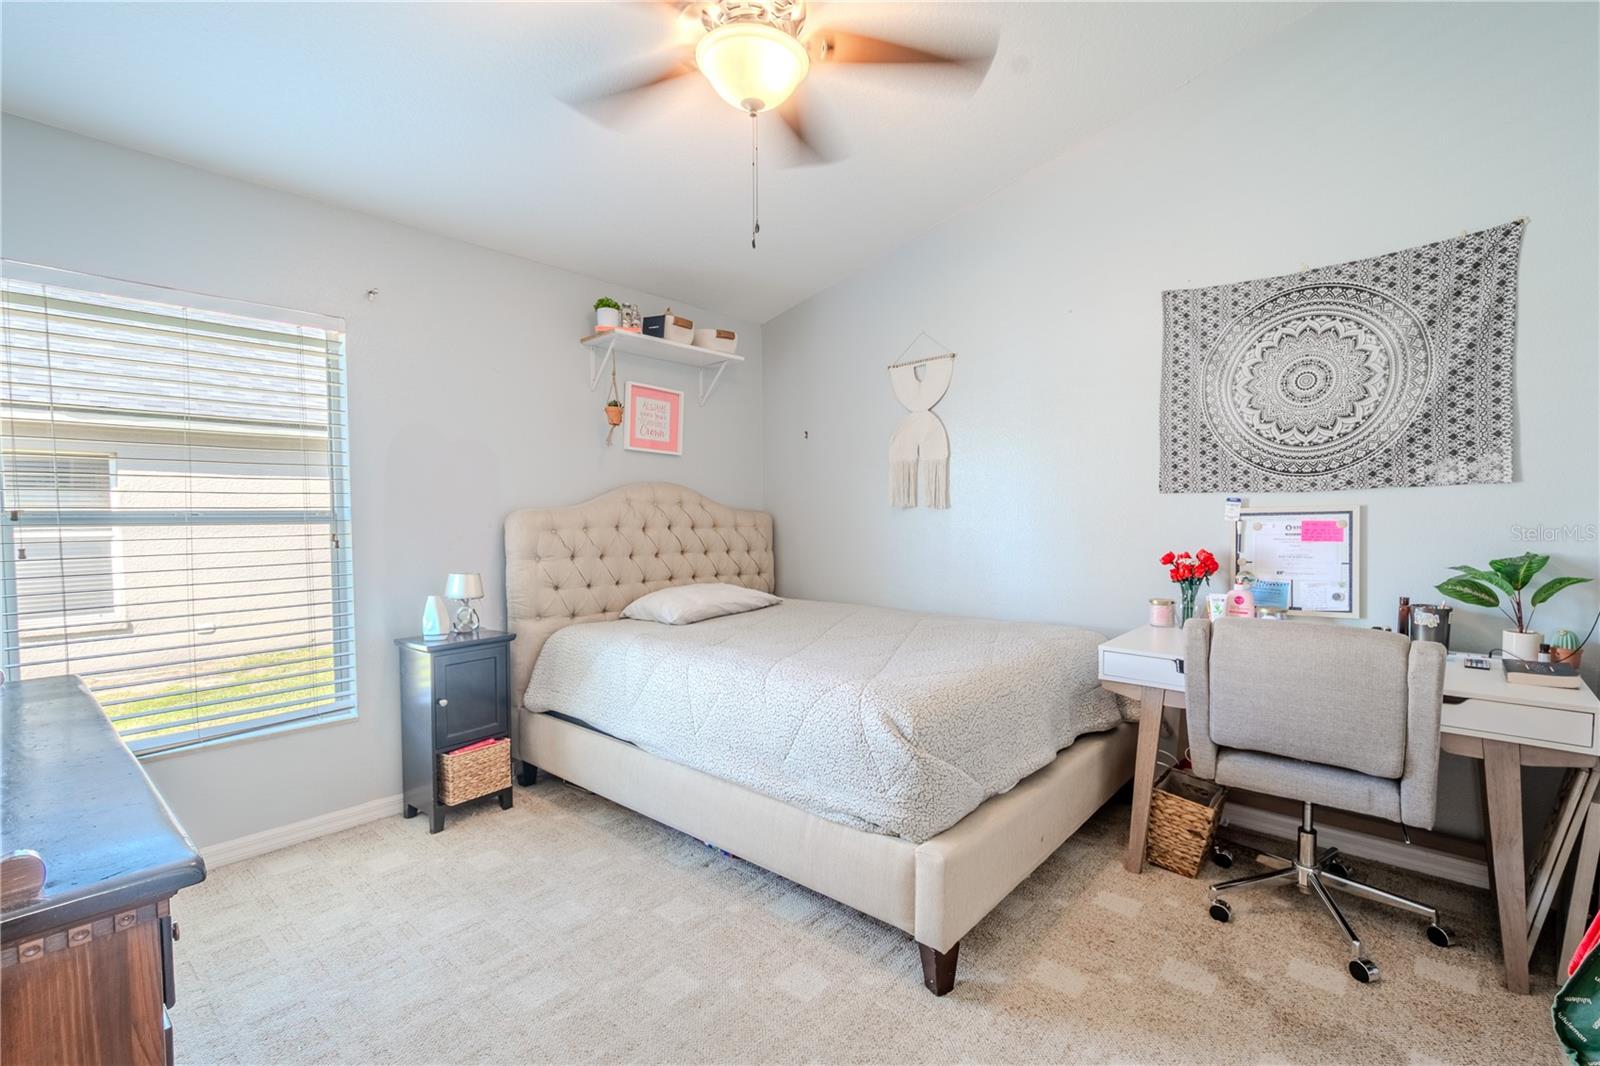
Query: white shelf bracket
597, 369
707, 390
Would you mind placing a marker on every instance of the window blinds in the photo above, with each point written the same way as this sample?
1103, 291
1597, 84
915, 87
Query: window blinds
174, 480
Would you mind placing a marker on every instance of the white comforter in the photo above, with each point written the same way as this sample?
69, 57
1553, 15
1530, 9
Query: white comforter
889, 721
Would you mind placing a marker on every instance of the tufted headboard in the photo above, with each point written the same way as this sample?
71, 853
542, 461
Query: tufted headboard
586, 563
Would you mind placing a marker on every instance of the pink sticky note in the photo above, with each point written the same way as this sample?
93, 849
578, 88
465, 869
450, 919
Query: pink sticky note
1321, 529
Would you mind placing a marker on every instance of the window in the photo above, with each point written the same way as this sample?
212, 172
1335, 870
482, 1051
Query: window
174, 487
64, 577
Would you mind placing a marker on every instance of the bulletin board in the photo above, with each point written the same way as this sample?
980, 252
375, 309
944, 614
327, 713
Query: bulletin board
1315, 551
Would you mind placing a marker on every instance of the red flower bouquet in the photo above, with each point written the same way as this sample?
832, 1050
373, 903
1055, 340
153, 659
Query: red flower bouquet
1189, 572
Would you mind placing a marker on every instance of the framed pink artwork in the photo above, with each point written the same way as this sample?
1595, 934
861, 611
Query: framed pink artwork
655, 419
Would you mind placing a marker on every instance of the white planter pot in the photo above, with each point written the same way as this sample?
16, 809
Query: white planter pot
606, 318
1523, 646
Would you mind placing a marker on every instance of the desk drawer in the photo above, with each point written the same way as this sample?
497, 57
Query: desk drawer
1518, 723
1152, 670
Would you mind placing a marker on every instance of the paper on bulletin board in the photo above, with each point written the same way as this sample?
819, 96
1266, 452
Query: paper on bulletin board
1311, 553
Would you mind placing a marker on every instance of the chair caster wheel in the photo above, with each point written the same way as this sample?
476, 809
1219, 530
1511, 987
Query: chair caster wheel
1364, 970
1439, 936
1222, 857
1220, 911
1338, 869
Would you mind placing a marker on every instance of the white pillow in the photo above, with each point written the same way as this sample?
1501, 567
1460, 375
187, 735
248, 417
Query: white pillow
682, 604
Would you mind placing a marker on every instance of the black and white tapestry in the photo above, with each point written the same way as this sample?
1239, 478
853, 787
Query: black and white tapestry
1396, 370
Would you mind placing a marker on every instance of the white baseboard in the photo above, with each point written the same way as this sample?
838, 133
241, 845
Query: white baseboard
1390, 852
248, 847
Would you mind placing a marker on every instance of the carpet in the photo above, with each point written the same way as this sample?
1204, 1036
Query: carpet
569, 929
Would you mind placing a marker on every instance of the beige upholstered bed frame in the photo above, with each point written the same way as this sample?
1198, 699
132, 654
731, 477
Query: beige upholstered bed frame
585, 563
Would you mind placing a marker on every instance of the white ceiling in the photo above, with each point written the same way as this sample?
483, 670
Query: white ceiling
447, 117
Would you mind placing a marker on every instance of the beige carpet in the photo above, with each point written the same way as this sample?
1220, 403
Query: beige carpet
568, 929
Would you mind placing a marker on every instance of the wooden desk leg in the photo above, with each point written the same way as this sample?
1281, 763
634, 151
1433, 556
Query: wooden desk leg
1502, 785
1583, 875
1144, 774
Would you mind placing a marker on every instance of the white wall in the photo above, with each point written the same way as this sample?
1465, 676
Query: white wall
468, 398
1360, 130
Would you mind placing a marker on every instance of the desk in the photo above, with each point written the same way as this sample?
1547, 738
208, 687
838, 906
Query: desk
1505, 727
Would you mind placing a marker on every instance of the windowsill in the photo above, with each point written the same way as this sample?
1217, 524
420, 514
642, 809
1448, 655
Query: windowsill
338, 718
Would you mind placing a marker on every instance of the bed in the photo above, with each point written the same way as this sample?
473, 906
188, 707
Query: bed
913, 767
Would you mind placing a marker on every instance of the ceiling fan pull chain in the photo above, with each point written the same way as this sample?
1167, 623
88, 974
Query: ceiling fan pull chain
755, 182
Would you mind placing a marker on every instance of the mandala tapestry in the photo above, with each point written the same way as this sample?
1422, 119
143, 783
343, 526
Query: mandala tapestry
1396, 370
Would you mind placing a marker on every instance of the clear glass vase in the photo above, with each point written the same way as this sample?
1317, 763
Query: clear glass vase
1186, 608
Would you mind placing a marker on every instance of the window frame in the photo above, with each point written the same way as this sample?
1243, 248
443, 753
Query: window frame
335, 518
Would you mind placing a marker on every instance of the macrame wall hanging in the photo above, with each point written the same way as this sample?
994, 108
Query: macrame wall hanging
919, 450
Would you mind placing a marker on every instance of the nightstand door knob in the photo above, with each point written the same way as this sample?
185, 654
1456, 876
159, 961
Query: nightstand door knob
444, 703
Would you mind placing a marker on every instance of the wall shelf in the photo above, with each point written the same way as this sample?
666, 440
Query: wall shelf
603, 347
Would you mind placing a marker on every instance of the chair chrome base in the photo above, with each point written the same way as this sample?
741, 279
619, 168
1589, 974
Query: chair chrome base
1315, 875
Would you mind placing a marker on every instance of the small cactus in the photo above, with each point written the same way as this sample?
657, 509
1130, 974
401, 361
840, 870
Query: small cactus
1565, 638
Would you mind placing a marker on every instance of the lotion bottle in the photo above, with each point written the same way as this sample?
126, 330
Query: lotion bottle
1241, 601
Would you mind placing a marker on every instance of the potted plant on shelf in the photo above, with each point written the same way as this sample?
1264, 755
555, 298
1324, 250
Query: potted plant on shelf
1483, 588
1189, 572
607, 314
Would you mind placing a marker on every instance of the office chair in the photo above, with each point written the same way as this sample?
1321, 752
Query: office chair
1328, 715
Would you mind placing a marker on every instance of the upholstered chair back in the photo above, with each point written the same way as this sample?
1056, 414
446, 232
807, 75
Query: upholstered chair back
1321, 694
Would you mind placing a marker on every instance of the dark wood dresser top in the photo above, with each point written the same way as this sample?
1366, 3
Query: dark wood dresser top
453, 641
72, 791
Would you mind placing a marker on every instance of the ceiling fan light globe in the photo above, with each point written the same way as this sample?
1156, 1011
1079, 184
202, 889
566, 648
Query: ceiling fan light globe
751, 66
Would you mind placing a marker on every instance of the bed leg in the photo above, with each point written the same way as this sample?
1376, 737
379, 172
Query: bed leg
527, 773
939, 968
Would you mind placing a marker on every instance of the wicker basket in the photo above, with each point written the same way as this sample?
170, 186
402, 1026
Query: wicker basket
467, 775
1184, 811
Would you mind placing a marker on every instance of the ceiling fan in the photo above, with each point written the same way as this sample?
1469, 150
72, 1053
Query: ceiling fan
756, 53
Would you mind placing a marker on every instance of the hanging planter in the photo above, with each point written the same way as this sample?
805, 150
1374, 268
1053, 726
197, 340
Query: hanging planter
613, 406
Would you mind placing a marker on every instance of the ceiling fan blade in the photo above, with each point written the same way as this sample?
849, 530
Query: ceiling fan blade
617, 100
842, 46
802, 124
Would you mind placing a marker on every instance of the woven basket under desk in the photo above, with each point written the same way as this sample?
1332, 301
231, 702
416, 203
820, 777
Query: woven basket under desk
1184, 812
467, 775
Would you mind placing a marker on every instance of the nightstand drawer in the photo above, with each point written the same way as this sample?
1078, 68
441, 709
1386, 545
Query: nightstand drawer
1155, 671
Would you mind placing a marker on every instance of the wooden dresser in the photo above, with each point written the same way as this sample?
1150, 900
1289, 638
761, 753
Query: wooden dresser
86, 972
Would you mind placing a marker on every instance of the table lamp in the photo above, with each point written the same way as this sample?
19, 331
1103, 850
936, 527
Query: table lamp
464, 588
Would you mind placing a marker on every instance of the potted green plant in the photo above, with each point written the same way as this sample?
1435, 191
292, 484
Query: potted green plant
1510, 577
607, 314
614, 412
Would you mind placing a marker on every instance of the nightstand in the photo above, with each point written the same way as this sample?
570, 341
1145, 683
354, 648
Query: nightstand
454, 691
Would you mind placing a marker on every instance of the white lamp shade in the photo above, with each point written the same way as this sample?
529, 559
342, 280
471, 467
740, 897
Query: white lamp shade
751, 66
464, 586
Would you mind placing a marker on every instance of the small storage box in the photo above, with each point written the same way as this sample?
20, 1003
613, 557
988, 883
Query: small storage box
716, 340
466, 775
1184, 812
670, 327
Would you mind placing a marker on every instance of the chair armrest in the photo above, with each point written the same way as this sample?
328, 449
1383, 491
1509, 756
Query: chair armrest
1197, 696
1419, 783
